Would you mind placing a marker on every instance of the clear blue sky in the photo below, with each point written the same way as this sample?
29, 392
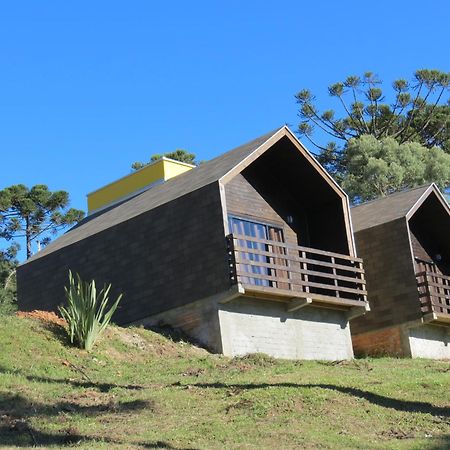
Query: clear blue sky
89, 87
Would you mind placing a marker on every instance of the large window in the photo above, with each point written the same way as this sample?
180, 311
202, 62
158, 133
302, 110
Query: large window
244, 227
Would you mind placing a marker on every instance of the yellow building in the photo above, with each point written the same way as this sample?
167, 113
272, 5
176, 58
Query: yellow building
139, 181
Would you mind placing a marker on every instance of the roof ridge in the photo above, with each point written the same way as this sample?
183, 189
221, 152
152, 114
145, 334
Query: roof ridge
393, 194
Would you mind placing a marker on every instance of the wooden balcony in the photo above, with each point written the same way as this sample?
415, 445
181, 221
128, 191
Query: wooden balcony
434, 295
297, 275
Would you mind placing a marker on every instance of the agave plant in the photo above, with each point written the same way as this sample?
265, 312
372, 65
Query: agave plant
85, 312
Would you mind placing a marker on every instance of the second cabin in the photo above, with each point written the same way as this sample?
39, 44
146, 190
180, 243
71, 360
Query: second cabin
405, 242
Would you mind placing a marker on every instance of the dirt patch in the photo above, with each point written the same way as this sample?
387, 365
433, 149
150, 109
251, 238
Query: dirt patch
88, 398
193, 372
397, 434
129, 338
242, 404
151, 345
48, 317
249, 362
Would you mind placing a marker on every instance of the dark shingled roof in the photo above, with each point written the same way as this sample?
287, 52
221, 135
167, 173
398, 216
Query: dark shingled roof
207, 173
386, 209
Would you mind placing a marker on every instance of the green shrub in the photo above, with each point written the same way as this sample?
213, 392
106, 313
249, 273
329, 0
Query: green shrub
8, 290
8, 301
85, 312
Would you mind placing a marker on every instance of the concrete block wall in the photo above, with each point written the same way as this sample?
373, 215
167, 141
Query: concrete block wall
430, 341
407, 340
258, 326
246, 325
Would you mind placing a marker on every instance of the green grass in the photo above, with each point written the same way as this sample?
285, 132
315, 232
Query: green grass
138, 389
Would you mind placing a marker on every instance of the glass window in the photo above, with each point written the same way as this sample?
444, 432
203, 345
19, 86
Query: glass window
243, 227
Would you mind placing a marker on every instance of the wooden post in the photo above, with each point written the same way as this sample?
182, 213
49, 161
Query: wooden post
333, 261
363, 280
428, 291
231, 259
305, 276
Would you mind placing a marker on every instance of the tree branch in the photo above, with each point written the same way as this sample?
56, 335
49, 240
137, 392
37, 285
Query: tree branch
413, 109
361, 120
316, 145
430, 115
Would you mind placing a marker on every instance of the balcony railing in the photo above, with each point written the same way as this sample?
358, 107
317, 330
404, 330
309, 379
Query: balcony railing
285, 272
434, 293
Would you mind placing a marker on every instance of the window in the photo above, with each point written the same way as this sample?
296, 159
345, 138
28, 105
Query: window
244, 227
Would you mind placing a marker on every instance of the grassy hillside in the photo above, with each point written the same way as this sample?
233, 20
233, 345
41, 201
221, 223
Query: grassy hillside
141, 390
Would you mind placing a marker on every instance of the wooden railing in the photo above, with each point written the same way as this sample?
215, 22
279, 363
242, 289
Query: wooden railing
277, 267
434, 292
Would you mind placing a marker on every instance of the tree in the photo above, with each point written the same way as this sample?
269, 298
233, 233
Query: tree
34, 214
419, 111
178, 155
378, 167
8, 264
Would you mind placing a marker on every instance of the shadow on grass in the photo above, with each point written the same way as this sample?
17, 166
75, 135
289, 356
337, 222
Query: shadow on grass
18, 407
439, 443
30, 437
102, 387
59, 332
16, 413
376, 399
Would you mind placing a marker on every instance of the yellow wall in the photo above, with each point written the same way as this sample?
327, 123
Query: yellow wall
159, 171
173, 168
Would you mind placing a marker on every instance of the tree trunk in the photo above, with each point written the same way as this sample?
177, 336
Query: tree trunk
28, 237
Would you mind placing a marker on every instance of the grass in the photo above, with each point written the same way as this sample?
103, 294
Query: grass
138, 389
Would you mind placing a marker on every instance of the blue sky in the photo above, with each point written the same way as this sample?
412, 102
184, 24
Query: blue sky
87, 88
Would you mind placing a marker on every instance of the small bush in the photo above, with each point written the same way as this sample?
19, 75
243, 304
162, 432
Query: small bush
8, 290
8, 301
86, 313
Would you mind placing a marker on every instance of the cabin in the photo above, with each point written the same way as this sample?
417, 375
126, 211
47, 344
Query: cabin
249, 252
405, 242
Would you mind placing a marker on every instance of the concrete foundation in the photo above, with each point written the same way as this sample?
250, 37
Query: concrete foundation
245, 325
198, 320
258, 326
430, 341
407, 340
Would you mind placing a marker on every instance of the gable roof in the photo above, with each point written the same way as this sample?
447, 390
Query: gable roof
393, 207
220, 168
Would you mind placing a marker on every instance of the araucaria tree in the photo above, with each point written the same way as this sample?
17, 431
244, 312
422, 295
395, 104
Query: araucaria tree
178, 155
417, 111
34, 214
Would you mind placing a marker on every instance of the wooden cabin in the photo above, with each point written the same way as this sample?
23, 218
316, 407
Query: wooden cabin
405, 242
250, 252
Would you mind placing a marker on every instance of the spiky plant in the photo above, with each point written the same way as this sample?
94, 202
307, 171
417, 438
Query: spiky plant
85, 312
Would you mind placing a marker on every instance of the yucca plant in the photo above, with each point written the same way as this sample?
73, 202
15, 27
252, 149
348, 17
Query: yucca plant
85, 312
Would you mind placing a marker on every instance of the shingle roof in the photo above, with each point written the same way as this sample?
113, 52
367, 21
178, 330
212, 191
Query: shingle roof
172, 189
386, 209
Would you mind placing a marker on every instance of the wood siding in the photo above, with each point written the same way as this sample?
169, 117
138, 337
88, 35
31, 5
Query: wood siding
418, 249
162, 259
243, 200
390, 277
